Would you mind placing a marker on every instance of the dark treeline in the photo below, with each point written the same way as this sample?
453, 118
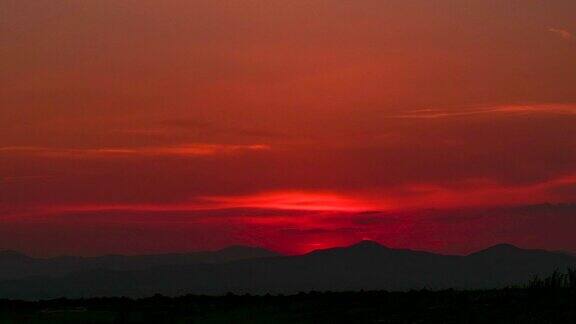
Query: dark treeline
549, 299
556, 280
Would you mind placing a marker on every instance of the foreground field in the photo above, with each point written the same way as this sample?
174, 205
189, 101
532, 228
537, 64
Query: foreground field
492, 306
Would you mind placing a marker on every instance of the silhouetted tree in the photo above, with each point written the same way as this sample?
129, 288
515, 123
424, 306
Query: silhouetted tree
572, 278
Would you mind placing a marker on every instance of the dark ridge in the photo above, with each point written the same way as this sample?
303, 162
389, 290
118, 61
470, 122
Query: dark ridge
366, 265
13, 255
499, 249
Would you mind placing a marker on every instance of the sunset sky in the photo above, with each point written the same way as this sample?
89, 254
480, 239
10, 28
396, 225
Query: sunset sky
148, 126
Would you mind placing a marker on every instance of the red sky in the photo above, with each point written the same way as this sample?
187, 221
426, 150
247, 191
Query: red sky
155, 126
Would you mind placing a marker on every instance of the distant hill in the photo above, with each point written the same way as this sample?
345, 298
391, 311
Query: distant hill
15, 265
363, 266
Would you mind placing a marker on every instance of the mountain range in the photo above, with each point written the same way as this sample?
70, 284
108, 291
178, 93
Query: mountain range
16, 265
364, 266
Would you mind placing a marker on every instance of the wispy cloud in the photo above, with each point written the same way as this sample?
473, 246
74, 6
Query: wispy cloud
504, 109
270, 203
180, 150
564, 34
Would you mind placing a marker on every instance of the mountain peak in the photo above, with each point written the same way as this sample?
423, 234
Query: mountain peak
503, 248
362, 247
367, 244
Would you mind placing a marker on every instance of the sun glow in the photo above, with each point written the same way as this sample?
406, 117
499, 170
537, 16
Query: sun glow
294, 200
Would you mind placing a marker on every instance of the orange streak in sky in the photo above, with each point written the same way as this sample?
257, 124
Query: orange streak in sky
294, 200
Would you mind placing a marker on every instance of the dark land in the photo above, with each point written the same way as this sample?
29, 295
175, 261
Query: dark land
362, 283
511, 305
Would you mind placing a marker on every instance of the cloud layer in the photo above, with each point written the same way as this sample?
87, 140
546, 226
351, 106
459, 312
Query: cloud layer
309, 108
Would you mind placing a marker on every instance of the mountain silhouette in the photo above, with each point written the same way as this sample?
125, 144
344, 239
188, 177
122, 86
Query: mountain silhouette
15, 265
363, 266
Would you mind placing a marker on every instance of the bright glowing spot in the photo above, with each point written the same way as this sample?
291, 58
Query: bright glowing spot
294, 200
